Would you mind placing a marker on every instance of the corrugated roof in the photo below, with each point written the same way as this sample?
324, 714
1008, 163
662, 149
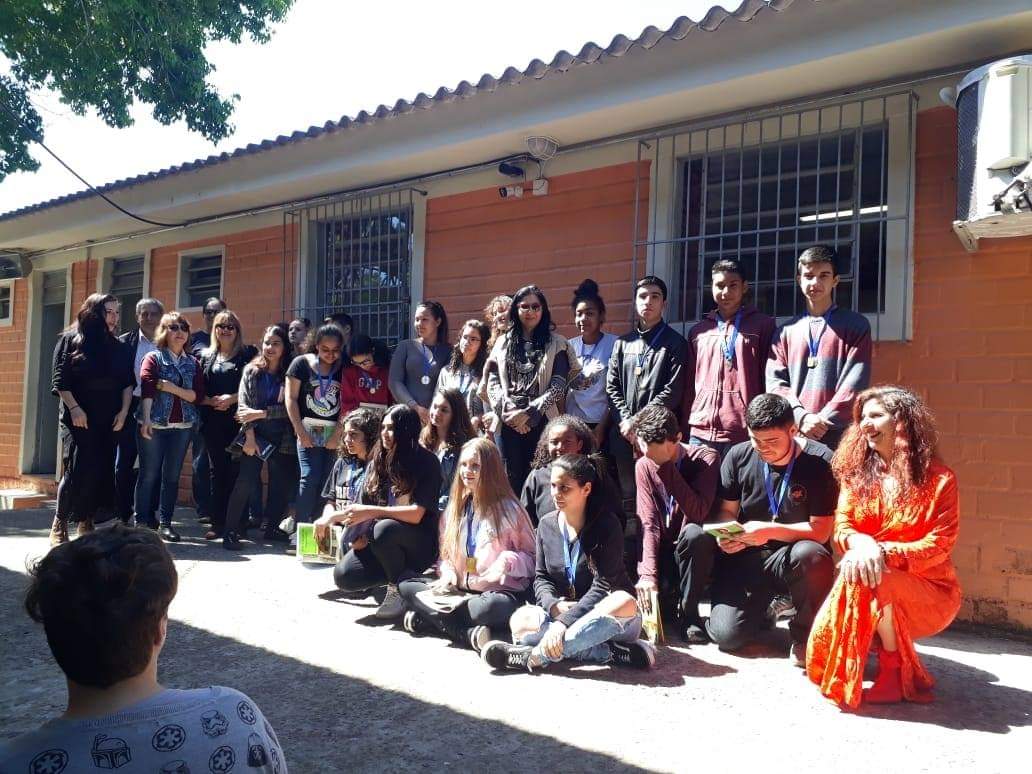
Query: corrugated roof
563, 61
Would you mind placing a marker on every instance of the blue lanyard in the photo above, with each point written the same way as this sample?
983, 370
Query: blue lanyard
428, 359
645, 350
465, 378
471, 536
809, 332
355, 482
671, 504
729, 345
324, 382
786, 479
272, 388
571, 556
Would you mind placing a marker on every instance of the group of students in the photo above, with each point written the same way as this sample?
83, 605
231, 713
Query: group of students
555, 487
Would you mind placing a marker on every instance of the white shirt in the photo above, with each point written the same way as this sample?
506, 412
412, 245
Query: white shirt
587, 396
143, 346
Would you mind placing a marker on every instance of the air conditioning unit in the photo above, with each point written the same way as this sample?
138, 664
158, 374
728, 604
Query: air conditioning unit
994, 139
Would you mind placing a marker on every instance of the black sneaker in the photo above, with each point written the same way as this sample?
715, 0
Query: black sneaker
501, 655
640, 654
694, 633
275, 534
169, 534
415, 624
231, 542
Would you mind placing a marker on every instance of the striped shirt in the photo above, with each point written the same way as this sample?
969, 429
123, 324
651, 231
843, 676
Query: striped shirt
841, 372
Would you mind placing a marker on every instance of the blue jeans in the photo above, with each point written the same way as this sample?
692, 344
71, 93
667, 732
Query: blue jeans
315, 464
720, 447
589, 637
161, 460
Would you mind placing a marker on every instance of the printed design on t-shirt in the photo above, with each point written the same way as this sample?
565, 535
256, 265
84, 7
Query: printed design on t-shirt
797, 494
246, 712
323, 405
49, 762
110, 752
256, 756
214, 723
369, 383
175, 767
222, 760
274, 754
168, 738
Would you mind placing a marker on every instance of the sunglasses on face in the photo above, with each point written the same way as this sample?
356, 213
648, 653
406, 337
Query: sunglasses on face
225, 327
177, 328
530, 307
210, 312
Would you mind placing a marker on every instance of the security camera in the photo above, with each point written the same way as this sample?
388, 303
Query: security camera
509, 169
510, 192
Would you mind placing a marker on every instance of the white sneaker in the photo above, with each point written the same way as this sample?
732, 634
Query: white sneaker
393, 606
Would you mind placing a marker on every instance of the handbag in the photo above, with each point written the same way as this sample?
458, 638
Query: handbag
265, 449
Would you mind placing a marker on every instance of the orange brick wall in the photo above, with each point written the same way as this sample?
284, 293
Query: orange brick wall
971, 357
478, 245
12, 354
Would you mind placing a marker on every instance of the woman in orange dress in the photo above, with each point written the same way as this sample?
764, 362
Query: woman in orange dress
896, 524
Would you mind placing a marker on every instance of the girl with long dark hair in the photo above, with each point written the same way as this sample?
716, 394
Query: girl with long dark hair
487, 547
586, 607
527, 375
93, 376
223, 365
448, 429
171, 384
399, 496
418, 362
465, 370
896, 526
262, 413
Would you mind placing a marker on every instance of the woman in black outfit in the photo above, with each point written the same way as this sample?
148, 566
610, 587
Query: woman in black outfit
261, 411
527, 374
402, 484
93, 376
223, 365
586, 607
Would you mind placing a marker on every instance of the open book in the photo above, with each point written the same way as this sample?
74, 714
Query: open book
444, 603
722, 530
311, 550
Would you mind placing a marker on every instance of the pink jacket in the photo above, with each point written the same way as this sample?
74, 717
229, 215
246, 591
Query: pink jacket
505, 560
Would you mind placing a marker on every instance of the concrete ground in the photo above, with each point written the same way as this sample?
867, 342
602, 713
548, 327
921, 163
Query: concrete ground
346, 693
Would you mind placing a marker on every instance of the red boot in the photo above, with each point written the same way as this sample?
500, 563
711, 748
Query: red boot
888, 688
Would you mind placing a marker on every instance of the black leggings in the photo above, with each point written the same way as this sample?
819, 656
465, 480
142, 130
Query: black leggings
396, 551
491, 608
281, 479
219, 430
517, 451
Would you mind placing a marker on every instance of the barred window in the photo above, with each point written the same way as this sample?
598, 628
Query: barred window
200, 278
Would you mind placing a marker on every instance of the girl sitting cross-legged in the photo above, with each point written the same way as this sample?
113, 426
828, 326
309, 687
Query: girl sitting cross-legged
586, 608
487, 547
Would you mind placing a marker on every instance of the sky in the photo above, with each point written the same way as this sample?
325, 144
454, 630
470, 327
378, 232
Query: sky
328, 59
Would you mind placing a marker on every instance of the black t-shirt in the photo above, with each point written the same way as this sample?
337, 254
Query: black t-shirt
222, 377
344, 484
812, 490
427, 473
316, 399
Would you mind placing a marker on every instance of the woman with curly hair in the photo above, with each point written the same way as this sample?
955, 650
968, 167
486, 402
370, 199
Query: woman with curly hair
93, 376
448, 429
465, 370
527, 373
896, 524
565, 434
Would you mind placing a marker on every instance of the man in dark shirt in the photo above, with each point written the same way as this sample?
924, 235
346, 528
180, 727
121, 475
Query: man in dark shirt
676, 485
779, 488
646, 369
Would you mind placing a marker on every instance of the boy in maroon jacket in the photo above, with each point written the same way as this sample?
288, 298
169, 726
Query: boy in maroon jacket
727, 359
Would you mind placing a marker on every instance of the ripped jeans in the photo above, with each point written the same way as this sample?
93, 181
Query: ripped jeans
587, 639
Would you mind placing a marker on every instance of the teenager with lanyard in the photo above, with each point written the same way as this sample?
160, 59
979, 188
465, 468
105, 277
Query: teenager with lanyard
587, 397
487, 548
821, 360
365, 379
262, 412
444, 435
586, 609
465, 370
676, 484
527, 374
223, 365
313, 404
344, 485
399, 497
565, 434
646, 369
417, 362
726, 364
779, 488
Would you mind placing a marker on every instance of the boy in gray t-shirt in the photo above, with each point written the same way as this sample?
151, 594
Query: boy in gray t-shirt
103, 599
